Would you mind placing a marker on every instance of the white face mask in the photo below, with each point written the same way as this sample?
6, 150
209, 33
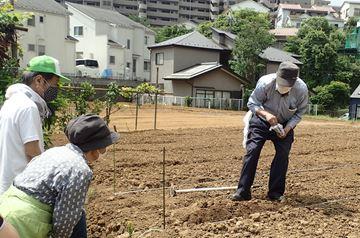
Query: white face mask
282, 89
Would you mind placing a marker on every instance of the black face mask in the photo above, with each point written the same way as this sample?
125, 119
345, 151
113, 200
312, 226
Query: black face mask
51, 93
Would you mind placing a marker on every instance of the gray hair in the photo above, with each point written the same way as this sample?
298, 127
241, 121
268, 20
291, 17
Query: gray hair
28, 77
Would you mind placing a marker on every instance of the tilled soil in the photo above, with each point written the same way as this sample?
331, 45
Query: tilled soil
323, 185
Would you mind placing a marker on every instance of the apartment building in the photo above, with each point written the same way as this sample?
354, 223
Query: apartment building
291, 15
165, 12
303, 3
350, 9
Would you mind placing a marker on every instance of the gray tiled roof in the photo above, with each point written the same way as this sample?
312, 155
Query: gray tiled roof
277, 55
49, 6
192, 39
107, 15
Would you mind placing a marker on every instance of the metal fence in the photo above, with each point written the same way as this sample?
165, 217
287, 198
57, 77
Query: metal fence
312, 109
211, 103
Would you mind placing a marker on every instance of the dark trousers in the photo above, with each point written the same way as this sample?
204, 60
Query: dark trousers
258, 134
80, 228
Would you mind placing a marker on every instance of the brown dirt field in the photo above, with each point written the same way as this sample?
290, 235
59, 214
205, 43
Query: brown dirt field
203, 149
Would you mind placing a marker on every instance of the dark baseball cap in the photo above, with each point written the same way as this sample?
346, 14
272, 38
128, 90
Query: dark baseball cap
90, 132
287, 74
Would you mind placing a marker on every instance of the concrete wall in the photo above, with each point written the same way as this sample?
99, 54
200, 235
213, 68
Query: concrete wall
50, 33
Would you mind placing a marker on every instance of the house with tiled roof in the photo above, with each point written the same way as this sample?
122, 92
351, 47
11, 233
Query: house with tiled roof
118, 43
193, 65
282, 35
291, 15
47, 33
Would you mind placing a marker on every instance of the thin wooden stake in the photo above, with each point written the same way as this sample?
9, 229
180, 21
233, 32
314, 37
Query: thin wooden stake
164, 188
137, 111
114, 174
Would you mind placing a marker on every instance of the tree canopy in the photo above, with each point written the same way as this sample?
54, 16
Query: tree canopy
252, 36
169, 32
317, 42
8, 65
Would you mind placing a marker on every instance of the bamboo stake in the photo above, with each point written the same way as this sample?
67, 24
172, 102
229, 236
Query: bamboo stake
114, 155
164, 188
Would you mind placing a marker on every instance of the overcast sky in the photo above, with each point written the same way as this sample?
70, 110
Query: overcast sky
339, 2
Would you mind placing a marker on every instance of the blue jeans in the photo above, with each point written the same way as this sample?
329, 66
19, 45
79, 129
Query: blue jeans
80, 228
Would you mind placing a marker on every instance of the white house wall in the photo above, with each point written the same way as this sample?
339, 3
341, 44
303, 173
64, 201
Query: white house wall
118, 69
117, 33
85, 42
347, 10
101, 45
51, 33
281, 18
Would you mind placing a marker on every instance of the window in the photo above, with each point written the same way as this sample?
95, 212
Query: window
31, 21
146, 39
127, 64
41, 49
79, 55
146, 66
112, 59
159, 58
298, 24
31, 47
106, 3
356, 12
78, 30
128, 44
41, 19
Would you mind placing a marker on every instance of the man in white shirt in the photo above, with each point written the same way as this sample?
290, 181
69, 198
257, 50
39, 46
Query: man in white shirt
21, 116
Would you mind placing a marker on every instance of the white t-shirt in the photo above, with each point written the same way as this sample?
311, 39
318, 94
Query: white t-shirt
20, 123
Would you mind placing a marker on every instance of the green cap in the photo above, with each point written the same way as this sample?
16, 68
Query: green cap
46, 64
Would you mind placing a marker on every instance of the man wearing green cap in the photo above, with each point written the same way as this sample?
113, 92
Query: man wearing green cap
21, 116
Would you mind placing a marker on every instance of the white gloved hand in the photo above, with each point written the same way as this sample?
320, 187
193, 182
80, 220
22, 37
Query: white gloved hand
278, 129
